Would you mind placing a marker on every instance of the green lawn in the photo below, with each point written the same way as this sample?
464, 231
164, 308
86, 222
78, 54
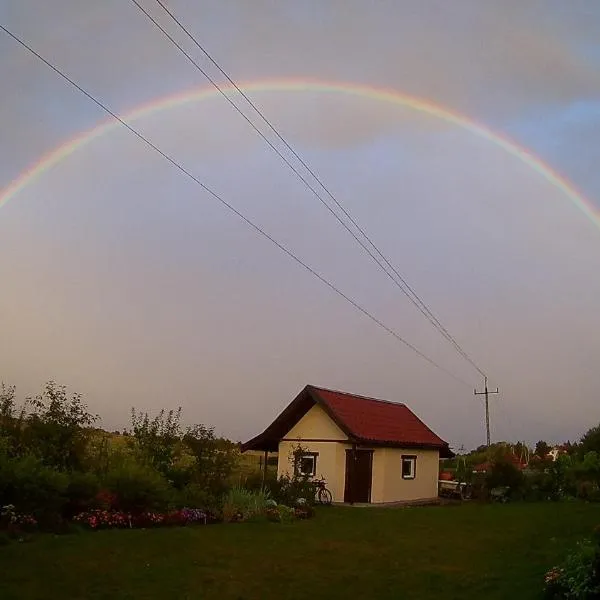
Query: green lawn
468, 551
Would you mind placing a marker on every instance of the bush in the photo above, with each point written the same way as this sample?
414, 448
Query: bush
240, 504
58, 430
280, 514
13, 521
287, 490
156, 440
505, 474
32, 487
195, 496
138, 488
579, 577
82, 492
304, 511
188, 516
214, 459
254, 481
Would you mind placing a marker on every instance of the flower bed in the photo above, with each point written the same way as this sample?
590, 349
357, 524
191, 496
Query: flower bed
578, 578
106, 519
103, 519
11, 520
280, 513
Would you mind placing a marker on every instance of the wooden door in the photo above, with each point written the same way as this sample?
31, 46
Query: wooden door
359, 469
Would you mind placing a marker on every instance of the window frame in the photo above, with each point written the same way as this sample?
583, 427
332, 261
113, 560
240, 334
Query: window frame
413, 459
314, 456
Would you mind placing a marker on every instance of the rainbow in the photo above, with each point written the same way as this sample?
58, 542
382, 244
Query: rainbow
62, 152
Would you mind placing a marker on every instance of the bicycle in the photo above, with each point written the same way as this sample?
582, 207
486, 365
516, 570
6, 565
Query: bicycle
322, 494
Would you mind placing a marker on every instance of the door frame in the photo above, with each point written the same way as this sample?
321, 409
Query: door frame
350, 491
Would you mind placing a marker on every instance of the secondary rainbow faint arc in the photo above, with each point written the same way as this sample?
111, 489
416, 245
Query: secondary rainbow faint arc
60, 153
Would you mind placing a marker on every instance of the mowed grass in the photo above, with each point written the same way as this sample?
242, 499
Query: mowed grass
465, 551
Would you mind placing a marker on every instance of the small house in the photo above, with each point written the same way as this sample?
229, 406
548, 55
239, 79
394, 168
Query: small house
367, 450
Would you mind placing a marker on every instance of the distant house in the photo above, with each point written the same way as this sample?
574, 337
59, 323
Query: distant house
515, 460
556, 452
367, 450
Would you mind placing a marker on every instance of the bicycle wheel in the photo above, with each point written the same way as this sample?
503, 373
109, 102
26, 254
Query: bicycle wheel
324, 496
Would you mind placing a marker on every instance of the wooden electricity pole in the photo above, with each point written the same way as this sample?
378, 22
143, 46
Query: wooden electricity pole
486, 392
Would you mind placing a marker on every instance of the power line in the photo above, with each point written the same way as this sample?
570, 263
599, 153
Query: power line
398, 280
402, 283
231, 208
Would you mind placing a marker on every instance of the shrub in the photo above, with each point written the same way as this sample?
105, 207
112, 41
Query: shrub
188, 516
138, 488
195, 496
304, 511
82, 492
287, 490
12, 420
32, 487
156, 440
240, 504
214, 459
11, 520
58, 430
286, 514
280, 513
587, 490
254, 481
579, 577
504, 474
105, 500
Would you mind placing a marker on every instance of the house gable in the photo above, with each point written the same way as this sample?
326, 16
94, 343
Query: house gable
315, 425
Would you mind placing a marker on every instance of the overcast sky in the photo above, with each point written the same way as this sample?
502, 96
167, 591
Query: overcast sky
127, 282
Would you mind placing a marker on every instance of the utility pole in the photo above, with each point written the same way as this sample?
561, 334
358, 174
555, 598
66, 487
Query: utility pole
486, 392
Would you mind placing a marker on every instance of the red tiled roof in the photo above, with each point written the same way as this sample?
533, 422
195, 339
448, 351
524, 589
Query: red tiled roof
363, 420
375, 420
486, 466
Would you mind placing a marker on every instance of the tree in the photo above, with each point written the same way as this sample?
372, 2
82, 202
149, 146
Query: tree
590, 442
542, 449
11, 421
521, 451
59, 428
214, 458
157, 440
504, 474
590, 466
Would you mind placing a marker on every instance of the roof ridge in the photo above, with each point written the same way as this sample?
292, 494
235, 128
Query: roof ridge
343, 393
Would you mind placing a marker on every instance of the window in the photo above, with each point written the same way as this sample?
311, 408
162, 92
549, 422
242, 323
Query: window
307, 465
409, 467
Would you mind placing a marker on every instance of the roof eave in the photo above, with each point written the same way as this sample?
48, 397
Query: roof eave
260, 442
269, 439
443, 448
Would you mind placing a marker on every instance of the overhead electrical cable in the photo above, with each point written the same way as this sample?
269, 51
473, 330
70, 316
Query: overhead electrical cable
231, 208
369, 247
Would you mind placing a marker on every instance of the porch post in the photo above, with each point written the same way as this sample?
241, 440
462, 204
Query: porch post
264, 474
353, 474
